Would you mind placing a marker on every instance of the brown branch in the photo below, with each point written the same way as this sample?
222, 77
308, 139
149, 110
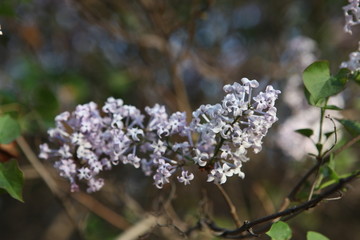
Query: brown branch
140, 228
49, 181
263, 197
289, 213
231, 205
92, 204
101, 210
38, 166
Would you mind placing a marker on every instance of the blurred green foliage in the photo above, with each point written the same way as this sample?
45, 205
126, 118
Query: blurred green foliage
97, 228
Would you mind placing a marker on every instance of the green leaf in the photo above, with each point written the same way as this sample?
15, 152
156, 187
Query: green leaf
333, 107
315, 236
280, 231
326, 184
307, 132
320, 83
9, 129
11, 179
319, 147
329, 172
353, 127
310, 99
328, 134
355, 77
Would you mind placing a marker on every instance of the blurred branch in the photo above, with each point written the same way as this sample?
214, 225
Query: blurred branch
101, 210
92, 204
174, 62
48, 180
146, 40
39, 167
231, 205
264, 198
140, 228
170, 216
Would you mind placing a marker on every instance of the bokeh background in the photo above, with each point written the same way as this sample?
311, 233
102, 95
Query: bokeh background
58, 54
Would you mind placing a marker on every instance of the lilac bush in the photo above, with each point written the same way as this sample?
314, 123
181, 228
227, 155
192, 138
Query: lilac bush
88, 140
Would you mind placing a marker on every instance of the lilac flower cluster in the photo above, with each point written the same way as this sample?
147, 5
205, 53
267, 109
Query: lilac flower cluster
216, 140
352, 15
353, 64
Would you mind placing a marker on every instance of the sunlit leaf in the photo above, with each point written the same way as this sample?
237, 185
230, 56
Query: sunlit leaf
280, 231
320, 84
11, 179
315, 236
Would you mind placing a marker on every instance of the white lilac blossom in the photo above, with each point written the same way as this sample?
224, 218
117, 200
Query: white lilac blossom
185, 177
352, 15
88, 140
354, 62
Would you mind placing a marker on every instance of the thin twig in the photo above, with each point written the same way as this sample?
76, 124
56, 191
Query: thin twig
231, 205
335, 136
313, 185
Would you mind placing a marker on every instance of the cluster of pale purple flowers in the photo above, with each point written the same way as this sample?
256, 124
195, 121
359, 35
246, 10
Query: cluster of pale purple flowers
352, 15
353, 64
217, 139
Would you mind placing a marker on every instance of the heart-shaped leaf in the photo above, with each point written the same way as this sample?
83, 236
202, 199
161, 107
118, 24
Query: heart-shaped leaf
320, 84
